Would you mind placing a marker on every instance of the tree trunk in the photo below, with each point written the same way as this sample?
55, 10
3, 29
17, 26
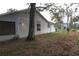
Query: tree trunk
71, 22
31, 35
68, 23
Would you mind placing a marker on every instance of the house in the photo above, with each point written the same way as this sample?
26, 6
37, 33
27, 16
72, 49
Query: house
17, 23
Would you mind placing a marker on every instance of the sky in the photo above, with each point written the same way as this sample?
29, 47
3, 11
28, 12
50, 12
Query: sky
47, 15
22, 4
15, 4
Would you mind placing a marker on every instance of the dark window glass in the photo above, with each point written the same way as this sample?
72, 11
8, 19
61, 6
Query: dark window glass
38, 27
48, 25
7, 28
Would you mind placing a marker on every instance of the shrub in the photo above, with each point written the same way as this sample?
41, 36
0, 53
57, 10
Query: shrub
73, 30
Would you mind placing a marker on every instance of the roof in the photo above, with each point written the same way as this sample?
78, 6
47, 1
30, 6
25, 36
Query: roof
13, 12
43, 17
26, 10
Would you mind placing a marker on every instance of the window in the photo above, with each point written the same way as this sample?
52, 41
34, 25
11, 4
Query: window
7, 28
48, 25
38, 27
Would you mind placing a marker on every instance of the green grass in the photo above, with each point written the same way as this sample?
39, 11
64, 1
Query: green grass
55, 35
57, 43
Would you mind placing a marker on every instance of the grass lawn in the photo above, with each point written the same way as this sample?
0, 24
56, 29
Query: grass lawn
58, 43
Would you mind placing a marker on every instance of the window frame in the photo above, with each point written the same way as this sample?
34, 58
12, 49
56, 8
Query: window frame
38, 27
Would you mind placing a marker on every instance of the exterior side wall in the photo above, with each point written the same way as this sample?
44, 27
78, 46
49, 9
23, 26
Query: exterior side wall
10, 18
44, 25
52, 28
22, 24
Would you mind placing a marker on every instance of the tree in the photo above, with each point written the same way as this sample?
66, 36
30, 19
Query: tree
69, 12
31, 35
11, 10
57, 13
